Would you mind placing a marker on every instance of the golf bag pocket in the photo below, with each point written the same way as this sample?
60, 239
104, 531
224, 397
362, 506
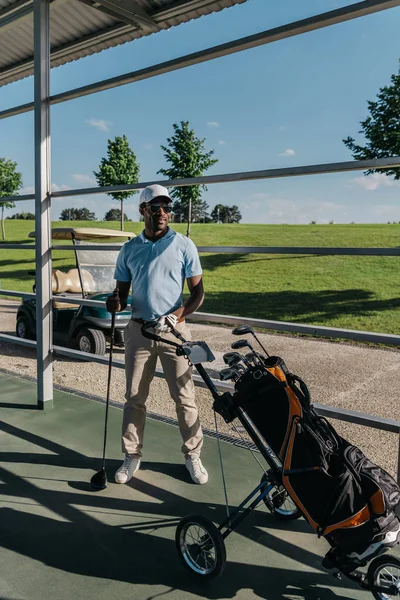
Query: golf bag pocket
320, 483
382, 491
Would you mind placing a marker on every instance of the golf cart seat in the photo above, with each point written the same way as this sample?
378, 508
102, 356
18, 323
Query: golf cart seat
69, 283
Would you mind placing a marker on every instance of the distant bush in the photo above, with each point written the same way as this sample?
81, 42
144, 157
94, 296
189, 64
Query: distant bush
25, 216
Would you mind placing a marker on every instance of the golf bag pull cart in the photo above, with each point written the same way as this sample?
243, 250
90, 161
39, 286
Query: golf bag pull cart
312, 472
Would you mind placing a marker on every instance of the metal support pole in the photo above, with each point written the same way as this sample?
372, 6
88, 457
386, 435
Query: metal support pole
41, 19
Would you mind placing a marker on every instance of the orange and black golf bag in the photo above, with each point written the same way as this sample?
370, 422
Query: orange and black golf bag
342, 494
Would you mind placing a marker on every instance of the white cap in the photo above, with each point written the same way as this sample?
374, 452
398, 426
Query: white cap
151, 192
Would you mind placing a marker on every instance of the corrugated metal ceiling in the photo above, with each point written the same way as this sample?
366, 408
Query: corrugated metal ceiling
83, 27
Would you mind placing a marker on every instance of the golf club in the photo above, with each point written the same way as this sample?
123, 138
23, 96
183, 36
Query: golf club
226, 374
232, 358
99, 479
243, 329
254, 357
241, 344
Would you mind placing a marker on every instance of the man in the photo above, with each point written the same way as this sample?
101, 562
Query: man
156, 264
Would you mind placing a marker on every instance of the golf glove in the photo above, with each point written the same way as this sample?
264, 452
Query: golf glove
164, 324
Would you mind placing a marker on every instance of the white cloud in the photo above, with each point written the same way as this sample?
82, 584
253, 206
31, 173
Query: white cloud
221, 142
213, 124
29, 189
277, 209
100, 124
81, 178
374, 181
59, 188
288, 152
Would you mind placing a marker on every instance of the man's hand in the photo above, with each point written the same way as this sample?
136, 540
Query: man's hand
113, 303
166, 324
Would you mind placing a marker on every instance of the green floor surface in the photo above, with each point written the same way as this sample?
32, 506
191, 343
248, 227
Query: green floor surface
59, 540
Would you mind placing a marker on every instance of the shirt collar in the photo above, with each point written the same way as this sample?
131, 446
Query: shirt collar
170, 233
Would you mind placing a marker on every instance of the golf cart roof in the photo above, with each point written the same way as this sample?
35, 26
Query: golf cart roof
86, 233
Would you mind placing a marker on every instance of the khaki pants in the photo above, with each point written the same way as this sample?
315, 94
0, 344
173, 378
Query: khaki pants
140, 363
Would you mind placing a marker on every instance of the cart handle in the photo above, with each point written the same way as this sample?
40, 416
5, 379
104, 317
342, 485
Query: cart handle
158, 338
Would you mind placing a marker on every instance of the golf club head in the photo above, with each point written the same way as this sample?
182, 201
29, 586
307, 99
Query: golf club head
99, 480
240, 344
226, 374
256, 358
242, 330
241, 369
238, 371
231, 358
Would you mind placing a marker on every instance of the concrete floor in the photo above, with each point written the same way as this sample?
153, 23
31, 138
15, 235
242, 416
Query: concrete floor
61, 540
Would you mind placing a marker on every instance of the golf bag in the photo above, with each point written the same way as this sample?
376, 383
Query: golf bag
343, 495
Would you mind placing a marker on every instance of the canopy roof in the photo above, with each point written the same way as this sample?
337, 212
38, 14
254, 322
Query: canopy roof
83, 27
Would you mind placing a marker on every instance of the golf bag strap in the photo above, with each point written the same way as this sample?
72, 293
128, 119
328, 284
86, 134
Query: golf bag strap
154, 336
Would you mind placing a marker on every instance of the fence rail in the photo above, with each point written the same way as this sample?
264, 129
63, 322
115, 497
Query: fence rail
341, 414
303, 170
301, 328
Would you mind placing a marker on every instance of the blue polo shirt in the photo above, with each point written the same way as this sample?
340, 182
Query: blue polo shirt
157, 271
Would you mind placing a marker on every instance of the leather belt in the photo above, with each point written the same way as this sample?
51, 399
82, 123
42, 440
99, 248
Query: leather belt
143, 322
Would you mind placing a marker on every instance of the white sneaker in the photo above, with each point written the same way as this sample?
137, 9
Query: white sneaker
196, 469
127, 469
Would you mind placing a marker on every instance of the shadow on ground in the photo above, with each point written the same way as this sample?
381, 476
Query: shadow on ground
81, 542
318, 307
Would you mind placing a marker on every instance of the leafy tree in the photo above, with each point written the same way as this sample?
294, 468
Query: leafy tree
187, 158
381, 128
234, 214
77, 214
199, 212
120, 167
10, 184
25, 216
114, 214
226, 214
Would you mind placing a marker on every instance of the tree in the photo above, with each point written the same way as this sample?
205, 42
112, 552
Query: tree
114, 214
10, 184
187, 156
121, 167
234, 214
199, 212
381, 128
226, 214
24, 216
77, 214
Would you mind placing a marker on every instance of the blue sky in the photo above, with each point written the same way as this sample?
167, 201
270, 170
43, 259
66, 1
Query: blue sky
287, 103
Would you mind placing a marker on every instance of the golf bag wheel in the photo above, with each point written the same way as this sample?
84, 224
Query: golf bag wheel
92, 341
200, 546
23, 328
385, 571
280, 504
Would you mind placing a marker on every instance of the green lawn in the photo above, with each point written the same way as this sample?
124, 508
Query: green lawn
338, 291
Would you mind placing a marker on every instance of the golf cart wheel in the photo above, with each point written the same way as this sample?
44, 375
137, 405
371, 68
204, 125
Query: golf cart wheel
385, 571
23, 329
200, 546
92, 341
280, 504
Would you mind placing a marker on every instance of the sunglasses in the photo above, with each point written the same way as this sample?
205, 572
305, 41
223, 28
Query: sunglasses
155, 208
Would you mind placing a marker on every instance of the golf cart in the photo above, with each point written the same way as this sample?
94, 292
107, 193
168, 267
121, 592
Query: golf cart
86, 328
